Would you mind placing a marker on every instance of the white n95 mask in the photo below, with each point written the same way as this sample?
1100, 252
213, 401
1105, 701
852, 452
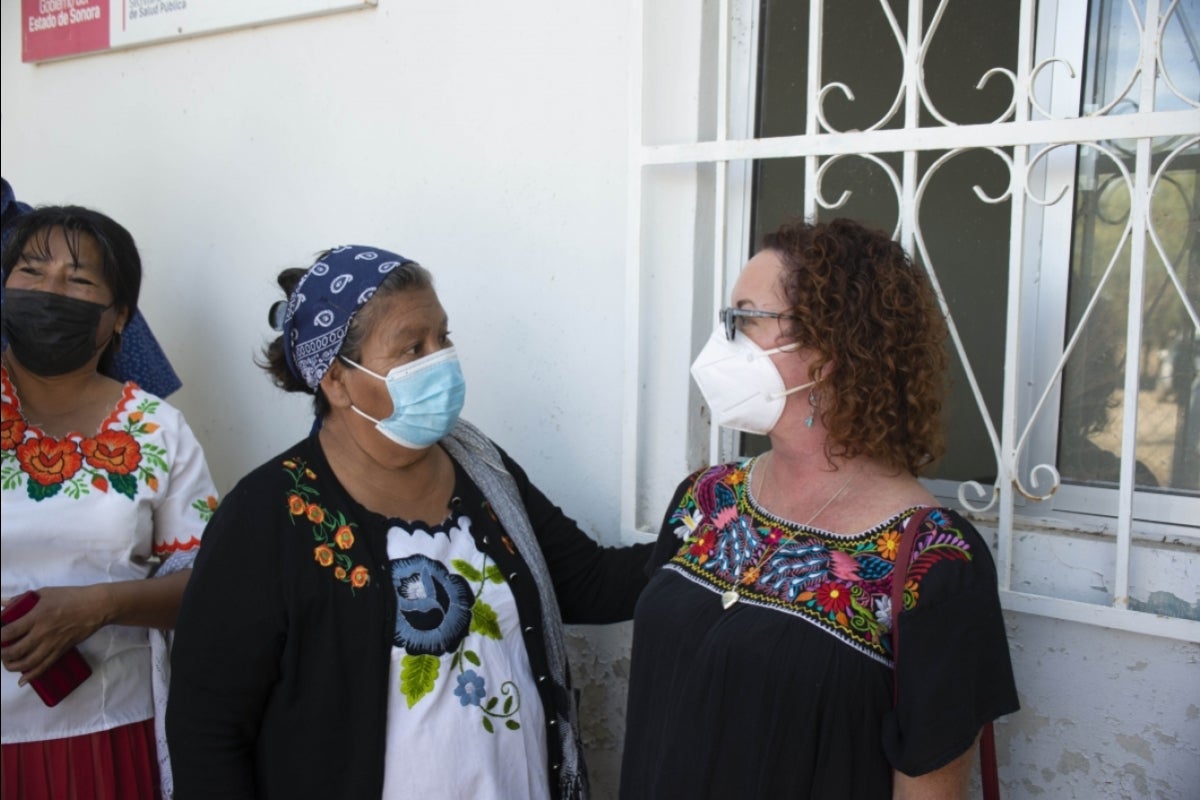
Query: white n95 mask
740, 383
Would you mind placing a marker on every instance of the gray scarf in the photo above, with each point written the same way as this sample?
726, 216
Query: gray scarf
481, 460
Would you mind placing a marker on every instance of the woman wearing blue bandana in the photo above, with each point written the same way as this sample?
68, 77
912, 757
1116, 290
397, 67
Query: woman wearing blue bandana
377, 611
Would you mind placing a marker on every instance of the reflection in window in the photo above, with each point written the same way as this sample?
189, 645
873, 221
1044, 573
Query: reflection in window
1168, 402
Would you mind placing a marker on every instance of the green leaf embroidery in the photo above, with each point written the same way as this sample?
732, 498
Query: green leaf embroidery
508, 701
11, 479
487, 725
417, 676
491, 703
493, 574
484, 620
466, 570
512, 724
39, 492
472, 656
156, 459
125, 484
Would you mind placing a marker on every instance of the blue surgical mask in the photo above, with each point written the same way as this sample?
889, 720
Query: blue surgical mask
427, 397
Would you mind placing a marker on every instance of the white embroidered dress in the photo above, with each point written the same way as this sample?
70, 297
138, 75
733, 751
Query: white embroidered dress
92, 509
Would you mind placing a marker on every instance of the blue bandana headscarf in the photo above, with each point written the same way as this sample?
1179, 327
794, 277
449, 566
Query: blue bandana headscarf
324, 302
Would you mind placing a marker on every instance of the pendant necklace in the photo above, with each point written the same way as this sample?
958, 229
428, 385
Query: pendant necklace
731, 596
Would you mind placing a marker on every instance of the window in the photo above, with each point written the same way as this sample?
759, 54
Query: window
1041, 162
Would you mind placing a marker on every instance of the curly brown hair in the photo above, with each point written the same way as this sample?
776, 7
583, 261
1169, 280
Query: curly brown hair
873, 320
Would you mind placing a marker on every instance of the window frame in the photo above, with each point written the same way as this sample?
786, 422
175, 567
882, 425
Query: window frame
725, 152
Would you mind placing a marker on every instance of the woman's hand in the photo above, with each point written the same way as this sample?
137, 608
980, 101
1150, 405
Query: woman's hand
63, 617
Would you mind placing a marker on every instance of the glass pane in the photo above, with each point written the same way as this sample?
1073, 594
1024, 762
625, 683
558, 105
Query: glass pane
1168, 402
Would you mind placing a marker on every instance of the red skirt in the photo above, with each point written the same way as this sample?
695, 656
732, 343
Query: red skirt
118, 764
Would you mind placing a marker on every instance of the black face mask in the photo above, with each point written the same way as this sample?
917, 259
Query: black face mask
50, 334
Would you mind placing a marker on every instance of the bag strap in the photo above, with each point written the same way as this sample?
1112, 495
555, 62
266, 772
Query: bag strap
988, 773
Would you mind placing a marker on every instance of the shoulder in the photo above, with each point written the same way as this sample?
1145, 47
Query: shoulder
265, 498
949, 559
714, 487
300, 464
471, 448
144, 412
703, 495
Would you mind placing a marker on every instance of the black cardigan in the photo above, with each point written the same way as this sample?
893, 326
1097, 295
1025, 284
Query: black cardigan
279, 672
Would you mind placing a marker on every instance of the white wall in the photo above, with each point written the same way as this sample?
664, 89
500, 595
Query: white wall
486, 141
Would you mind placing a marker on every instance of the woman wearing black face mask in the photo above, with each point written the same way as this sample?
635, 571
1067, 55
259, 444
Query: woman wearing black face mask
104, 487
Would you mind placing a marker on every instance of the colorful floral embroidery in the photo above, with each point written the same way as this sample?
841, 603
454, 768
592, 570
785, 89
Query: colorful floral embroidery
205, 507
841, 583
333, 533
436, 609
119, 457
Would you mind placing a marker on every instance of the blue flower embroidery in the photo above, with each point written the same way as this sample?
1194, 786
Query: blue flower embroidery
470, 689
433, 607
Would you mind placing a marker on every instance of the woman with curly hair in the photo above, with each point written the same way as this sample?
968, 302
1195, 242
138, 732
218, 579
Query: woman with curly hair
762, 652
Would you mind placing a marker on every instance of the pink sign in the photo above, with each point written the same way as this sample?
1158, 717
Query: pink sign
57, 28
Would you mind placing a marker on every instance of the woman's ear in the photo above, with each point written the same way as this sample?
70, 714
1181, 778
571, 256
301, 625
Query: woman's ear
122, 320
333, 384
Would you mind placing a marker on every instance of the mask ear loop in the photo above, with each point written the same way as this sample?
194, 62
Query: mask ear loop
793, 390
790, 348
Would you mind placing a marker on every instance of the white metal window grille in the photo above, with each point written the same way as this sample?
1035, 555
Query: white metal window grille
692, 151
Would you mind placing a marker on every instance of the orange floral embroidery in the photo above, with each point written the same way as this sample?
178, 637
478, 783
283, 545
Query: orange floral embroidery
112, 451
332, 533
887, 544
121, 458
48, 460
12, 427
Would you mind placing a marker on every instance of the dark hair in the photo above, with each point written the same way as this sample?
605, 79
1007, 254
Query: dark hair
120, 263
861, 304
410, 275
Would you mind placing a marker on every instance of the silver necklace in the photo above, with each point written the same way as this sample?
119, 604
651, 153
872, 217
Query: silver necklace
731, 596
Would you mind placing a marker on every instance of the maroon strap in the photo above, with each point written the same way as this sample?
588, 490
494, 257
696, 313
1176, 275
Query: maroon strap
988, 773
908, 536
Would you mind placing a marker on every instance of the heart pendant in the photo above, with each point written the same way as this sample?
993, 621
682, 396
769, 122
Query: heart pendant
728, 599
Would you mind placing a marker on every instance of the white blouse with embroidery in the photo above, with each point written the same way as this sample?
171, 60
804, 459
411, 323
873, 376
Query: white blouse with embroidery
81, 510
460, 674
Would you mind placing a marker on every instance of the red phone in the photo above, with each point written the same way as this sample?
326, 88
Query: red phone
65, 674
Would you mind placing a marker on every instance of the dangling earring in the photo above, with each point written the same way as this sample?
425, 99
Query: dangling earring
812, 407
